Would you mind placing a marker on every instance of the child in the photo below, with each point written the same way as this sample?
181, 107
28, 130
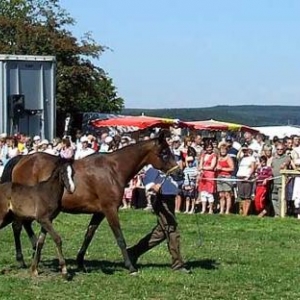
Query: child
127, 197
189, 184
263, 176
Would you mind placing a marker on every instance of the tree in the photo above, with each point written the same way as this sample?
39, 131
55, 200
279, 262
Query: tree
38, 27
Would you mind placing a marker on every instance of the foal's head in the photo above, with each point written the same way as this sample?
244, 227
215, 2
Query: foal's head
66, 175
161, 157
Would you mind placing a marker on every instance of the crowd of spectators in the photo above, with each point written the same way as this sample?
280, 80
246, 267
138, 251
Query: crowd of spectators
237, 174
223, 174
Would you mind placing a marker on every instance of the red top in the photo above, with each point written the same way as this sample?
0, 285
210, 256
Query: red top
223, 164
206, 182
262, 174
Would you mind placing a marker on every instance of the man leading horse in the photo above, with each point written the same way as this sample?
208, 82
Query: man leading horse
166, 189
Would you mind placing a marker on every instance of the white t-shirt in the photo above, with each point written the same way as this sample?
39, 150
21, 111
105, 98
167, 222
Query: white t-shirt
245, 166
12, 152
255, 146
83, 153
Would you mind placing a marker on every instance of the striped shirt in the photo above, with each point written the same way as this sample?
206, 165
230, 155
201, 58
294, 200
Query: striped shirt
190, 175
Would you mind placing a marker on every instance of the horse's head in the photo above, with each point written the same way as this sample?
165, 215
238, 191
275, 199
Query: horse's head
67, 175
161, 157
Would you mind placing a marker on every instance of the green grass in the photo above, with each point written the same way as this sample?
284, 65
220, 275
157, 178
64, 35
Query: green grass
239, 258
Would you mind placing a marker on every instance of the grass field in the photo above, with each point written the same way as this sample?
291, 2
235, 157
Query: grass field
239, 258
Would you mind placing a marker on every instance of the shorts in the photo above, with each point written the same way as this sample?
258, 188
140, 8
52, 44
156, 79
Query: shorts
205, 196
223, 185
189, 193
245, 189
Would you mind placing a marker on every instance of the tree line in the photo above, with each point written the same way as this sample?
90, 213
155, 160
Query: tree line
251, 115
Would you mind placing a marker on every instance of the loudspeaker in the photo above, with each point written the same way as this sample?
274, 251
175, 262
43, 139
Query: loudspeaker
16, 106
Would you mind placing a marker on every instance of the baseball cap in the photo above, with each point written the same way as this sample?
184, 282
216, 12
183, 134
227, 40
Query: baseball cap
84, 139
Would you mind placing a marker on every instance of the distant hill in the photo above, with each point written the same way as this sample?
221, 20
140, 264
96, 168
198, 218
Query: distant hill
251, 115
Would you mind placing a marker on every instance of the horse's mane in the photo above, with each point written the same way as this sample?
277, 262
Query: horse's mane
59, 164
123, 149
130, 146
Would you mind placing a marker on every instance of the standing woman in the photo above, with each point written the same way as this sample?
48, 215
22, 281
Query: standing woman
66, 150
187, 143
245, 173
13, 149
206, 181
267, 152
224, 168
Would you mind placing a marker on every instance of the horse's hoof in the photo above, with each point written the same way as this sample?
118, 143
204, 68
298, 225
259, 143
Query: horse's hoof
34, 273
5, 271
82, 268
21, 262
22, 265
66, 276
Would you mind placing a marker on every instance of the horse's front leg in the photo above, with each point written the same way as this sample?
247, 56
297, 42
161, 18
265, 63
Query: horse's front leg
48, 227
114, 223
37, 255
93, 225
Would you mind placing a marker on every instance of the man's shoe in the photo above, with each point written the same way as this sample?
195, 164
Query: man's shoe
183, 270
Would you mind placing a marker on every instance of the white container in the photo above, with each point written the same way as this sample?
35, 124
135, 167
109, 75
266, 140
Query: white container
33, 77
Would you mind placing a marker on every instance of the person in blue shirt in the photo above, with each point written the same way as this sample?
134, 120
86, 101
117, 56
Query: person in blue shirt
166, 189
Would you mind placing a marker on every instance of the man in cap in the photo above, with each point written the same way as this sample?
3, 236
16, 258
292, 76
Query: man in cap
46, 147
36, 139
84, 150
43, 145
105, 146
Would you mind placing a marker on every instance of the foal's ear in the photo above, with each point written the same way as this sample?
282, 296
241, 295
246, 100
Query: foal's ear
163, 135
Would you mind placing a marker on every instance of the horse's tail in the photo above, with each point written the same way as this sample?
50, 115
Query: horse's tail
7, 171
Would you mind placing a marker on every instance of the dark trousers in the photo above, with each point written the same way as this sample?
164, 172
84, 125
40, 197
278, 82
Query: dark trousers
166, 228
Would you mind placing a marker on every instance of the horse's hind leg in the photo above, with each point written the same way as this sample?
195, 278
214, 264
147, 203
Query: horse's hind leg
114, 223
93, 225
17, 228
31, 234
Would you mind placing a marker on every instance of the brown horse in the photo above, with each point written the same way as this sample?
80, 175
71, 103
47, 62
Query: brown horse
100, 180
41, 202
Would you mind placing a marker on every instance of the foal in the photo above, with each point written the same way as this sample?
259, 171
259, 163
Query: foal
41, 202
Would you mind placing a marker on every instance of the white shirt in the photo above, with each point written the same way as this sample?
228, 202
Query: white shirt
295, 154
104, 148
245, 166
83, 152
255, 146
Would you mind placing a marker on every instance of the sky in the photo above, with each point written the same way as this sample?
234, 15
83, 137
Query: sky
196, 53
